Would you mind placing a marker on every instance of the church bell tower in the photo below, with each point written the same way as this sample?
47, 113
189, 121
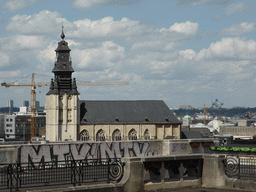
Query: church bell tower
62, 100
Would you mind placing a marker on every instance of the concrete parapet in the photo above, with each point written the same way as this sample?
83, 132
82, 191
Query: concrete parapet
241, 184
133, 179
213, 171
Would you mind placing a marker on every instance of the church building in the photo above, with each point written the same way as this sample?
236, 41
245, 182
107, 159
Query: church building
70, 119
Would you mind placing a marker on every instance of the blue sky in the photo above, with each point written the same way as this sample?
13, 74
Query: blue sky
185, 52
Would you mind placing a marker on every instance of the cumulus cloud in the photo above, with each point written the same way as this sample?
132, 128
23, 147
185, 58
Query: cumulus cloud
14, 5
187, 28
41, 23
238, 29
229, 48
166, 39
107, 55
86, 4
106, 27
226, 60
47, 56
233, 8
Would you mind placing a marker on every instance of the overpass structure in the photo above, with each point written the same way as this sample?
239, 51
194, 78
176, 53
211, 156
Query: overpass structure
157, 165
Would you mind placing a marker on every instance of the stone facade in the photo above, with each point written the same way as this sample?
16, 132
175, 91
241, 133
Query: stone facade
62, 112
142, 131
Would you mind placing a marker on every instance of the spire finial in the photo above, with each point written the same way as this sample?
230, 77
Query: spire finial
62, 34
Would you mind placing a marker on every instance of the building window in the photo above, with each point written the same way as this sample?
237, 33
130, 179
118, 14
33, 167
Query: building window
8, 125
132, 135
100, 136
116, 136
7, 130
10, 120
7, 120
146, 135
84, 136
10, 130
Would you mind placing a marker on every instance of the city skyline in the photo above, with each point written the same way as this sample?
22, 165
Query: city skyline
183, 52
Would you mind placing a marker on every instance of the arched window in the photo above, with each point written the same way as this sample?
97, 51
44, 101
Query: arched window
100, 136
146, 135
84, 135
132, 135
116, 136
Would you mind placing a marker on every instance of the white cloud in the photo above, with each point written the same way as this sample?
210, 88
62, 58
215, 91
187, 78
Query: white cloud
41, 23
239, 29
106, 56
107, 28
47, 56
229, 48
23, 42
187, 54
233, 8
86, 4
187, 28
14, 5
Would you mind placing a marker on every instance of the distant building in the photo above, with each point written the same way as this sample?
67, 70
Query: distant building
187, 121
187, 107
25, 103
10, 105
18, 125
2, 121
37, 105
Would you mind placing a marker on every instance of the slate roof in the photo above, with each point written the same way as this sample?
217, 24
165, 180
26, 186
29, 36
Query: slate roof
132, 111
191, 135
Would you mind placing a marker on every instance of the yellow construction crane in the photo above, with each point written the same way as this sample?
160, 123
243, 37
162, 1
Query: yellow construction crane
33, 86
32, 101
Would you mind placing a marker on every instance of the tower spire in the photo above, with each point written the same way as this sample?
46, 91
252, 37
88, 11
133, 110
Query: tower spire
62, 34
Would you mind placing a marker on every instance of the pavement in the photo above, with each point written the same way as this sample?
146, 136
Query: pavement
203, 190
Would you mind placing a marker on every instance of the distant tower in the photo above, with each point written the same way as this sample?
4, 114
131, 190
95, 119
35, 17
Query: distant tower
25, 103
62, 100
10, 104
37, 105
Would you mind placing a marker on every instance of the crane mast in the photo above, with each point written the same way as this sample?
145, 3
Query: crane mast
33, 107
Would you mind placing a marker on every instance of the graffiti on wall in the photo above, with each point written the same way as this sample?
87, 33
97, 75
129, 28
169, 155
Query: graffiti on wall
82, 151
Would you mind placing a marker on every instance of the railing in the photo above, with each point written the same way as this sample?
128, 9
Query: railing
173, 170
240, 166
76, 172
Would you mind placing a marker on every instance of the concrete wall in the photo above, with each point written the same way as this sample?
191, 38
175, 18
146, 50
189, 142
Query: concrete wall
239, 131
102, 150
